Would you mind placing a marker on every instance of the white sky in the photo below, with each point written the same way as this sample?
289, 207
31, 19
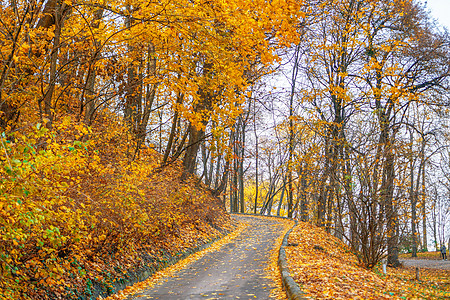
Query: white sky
440, 9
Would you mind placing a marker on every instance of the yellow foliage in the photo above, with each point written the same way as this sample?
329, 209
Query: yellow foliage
74, 209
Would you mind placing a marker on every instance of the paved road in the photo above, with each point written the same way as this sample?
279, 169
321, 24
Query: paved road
236, 271
426, 263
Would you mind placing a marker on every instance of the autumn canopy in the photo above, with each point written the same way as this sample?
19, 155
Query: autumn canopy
128, 128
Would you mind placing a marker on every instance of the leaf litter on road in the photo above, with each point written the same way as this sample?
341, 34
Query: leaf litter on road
251, 258
170, 271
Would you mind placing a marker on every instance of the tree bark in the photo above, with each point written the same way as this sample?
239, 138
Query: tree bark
256, 162
196, 135
391, 210
57, 18
88, 95
304, 198
180, 97
280, 202
189, 161
424, 213
291, 131
413, 199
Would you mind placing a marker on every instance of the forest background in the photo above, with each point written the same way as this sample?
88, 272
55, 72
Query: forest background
333, 112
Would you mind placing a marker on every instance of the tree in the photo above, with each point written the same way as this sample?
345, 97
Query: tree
364, 59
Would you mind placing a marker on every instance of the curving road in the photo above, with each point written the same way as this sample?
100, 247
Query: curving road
235, 271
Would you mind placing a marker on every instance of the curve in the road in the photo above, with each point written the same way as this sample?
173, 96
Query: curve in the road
235, 271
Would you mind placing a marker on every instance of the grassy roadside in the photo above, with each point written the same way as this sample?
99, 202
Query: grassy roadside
432, 255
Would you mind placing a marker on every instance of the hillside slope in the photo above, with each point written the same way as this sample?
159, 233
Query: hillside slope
77, 214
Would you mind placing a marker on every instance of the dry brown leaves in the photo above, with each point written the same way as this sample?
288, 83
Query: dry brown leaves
325, 268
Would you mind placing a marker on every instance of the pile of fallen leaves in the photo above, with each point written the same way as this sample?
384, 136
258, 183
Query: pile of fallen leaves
325, 268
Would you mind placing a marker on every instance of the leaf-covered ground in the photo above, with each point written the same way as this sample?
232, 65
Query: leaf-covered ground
430, 255
79, 214
325, 268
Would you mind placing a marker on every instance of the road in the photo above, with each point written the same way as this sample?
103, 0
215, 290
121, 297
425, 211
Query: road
426, 263
235, 271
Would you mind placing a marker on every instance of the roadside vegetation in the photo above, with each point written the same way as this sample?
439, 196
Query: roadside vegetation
432, 255
326, 268
77, 214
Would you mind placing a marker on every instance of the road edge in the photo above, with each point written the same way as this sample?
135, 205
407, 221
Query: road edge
144, 273
291, 288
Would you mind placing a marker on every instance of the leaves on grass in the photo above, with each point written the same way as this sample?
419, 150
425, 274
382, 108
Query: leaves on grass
431, 255
334, 273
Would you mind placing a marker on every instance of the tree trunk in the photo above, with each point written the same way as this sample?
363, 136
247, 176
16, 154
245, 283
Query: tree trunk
48, 96
226, 170
256, 167
280, 202
304, 198
189, 161
291, 130
88, 94
173, 129
424, 213
391, 210
241, 147
322, 200
321, 205
196, 135
413, 199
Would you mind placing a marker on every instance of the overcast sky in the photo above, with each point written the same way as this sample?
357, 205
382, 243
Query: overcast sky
440, 9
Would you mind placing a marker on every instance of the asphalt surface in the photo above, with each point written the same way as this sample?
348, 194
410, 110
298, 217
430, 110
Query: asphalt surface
236, 271
426, 263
